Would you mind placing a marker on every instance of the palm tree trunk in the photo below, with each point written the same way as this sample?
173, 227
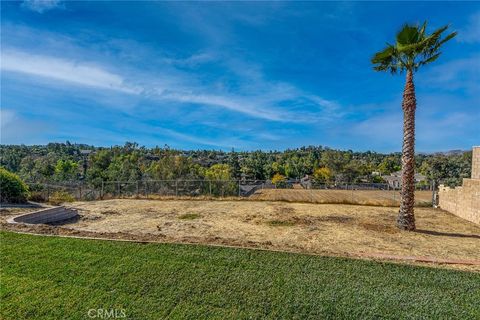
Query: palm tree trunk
406, 218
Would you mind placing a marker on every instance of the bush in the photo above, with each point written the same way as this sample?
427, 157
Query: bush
12, 188
37, 196
59, 197
280, 181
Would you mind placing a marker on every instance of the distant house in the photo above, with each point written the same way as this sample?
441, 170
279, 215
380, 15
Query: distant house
394, 180
306, 182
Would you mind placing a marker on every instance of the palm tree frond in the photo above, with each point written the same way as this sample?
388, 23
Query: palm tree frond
413, 48
388, 60
384, 55
439, 31
431, 59
422, 29
408, 35
447, 38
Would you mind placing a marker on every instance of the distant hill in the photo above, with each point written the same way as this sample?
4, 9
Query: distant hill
444, 153
451, 152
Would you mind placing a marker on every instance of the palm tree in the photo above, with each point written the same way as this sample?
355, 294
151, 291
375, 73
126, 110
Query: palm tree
413, 49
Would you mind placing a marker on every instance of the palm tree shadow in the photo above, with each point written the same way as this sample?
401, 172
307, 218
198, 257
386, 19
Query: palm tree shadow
448, 234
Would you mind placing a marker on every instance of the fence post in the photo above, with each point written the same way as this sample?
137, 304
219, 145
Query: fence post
176, 188
210, 187
118, 189
137, 190
239, 190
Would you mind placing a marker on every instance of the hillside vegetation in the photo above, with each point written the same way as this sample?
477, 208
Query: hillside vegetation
62, 162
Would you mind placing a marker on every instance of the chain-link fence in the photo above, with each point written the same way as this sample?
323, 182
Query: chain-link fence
43, 192
182, 188
293, 190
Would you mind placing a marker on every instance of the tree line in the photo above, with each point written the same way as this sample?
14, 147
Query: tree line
67, 162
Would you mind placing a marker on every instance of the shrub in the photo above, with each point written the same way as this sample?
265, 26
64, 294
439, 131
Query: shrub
37, 196
59, 197
323, 175
280, 181
12, 188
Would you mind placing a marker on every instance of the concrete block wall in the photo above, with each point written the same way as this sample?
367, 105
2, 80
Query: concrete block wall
464, 201
476, 163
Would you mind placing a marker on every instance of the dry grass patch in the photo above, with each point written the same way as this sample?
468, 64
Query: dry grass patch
281, 223
363, 197
6, 213
313, 228
301, 227
189, 216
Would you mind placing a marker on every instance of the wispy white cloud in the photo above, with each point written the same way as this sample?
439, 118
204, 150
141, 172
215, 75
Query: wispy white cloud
229, 103
193, 60
222, 143
471, 32
435, 129
456, 74
64, 70
268, 101
42, 6
15, 129
6, 116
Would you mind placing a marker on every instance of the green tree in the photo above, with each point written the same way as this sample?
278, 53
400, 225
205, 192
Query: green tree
66, 170
323, 175
335, 160
234, 163
172, 166
448, 170
220, 176
413, 49
219, 172
98, 167
389, 165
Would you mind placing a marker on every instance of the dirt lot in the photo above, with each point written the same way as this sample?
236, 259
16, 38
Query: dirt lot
369, 197
301, 227
307, 227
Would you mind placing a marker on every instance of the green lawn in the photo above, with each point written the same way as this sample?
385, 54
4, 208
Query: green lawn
59, 278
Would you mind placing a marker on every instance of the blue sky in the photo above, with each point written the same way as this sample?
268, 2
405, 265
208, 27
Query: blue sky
243, 75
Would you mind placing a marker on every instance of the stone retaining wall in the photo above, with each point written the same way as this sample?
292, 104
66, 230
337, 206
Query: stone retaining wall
50, 215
